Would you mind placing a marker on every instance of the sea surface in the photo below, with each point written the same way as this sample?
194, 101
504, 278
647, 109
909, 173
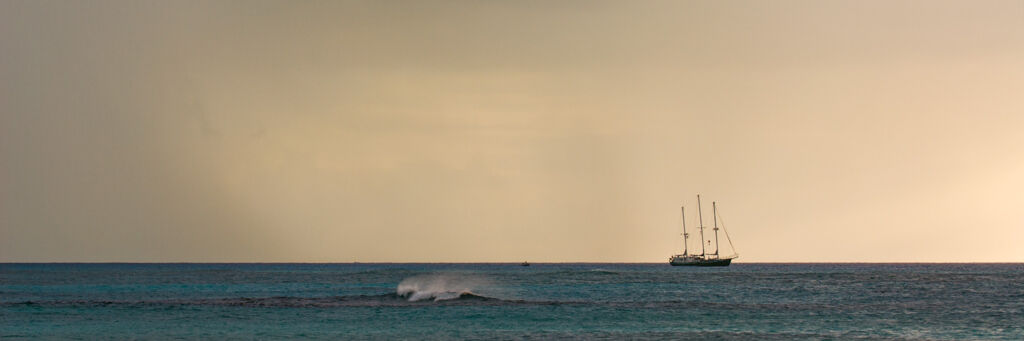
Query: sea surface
508, 301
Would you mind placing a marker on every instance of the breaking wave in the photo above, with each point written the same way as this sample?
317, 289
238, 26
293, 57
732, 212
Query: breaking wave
439, 287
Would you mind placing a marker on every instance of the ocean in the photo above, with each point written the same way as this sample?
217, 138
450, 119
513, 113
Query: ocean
508, 301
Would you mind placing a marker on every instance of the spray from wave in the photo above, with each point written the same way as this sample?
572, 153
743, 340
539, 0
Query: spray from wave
440, 287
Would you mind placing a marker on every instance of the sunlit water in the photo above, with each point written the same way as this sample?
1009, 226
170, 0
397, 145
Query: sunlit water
508, 301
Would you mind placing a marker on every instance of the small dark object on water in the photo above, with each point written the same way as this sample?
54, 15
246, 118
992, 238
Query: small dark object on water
525, 264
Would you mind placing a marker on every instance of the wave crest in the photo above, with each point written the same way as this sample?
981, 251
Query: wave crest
439, 287
381, 300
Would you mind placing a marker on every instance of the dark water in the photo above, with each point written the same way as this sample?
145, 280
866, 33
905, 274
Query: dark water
507, 301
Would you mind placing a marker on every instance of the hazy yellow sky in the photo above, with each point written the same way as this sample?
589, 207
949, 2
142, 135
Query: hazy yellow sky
479, 131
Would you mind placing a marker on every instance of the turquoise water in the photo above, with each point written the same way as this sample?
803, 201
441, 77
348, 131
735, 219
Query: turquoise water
507, 301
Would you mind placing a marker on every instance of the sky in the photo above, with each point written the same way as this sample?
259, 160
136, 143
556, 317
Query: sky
487, 131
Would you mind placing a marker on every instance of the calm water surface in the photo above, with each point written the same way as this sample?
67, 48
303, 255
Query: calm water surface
508, 301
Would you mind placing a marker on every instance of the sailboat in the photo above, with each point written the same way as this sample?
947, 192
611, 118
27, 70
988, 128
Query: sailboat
704, 258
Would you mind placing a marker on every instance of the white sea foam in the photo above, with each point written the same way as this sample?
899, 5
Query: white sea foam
439, 287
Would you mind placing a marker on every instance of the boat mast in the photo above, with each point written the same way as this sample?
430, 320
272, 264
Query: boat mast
733, 247
700, 216
714, 211
685, 235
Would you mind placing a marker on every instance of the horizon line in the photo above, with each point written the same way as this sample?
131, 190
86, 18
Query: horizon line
510, 262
